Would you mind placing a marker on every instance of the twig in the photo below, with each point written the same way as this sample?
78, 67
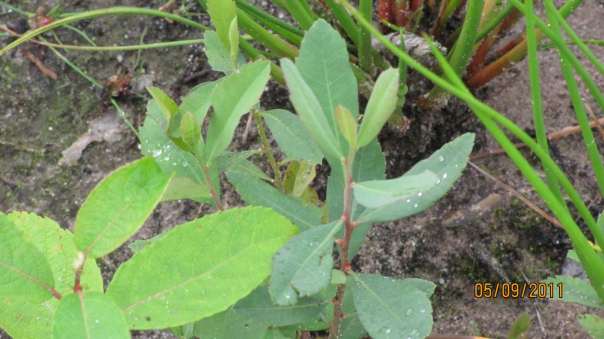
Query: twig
563, 133
47, 71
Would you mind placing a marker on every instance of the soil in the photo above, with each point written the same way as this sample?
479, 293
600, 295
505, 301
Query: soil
461, 240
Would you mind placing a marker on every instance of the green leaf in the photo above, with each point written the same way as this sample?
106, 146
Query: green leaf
24, 271
593, 325
298, 177
259, 307
386, 193
347, 125
190, 130
380, 106
234, 42
237, 161
520, 326
390, 308
303, 266
325, 67
118, 206
576, 290
281, 333
198, 101
292, 137
171, 158
57, 246
206, 266
19, 316
233, 97
89, 315
23, 319
222, 13
447, 164
168, 107
228, 325
310, 112
219, 56
257, 192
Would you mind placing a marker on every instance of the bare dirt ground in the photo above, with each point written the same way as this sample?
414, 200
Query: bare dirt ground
456, 243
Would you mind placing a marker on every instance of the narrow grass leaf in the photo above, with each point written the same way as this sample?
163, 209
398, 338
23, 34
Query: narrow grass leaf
303, 266
118, 206
206, 266
90, 315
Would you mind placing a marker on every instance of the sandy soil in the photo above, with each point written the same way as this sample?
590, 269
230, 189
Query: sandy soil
451, 244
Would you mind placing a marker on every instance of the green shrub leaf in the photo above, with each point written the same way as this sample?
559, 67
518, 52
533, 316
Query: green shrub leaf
593, 325
188, 181
118, 206
380, 106
222, 13
310, 112
292, 137
303, 266
198, 101
57, 246
447, 164
167, 106
390, 308
23, 319
90, 315
219, 56
254, 191
24, 271
347, 125
576, 290
259, 307
383, 193
228, 325
234, 96
325, 67
205, 266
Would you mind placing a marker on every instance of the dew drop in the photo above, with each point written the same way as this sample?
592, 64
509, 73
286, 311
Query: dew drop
445, 176
441, 158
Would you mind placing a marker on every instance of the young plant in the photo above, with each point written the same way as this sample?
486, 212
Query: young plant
588, 253
52, 288
324, 92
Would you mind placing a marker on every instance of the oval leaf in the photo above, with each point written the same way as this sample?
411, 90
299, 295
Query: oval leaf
234, 96
118, 206
303, 266
89, 315
24, 271
206, 266
292, 137
383, 193
447, 164
390, 308
380, 106
309, 110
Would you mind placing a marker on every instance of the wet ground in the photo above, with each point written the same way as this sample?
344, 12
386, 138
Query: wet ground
478, 233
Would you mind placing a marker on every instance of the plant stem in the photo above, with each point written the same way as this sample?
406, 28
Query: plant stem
464, 46
262, 35
99, 13
266, 147
292, 34
208, 179
343, 244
